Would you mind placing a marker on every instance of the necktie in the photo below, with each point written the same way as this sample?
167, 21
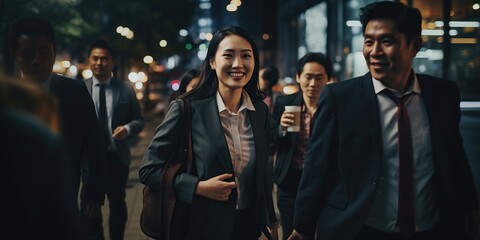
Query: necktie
102, 115
406, 197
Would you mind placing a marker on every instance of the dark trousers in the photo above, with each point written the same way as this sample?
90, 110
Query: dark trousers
286, 194
116, 182
286, 207
246, 226
367, 233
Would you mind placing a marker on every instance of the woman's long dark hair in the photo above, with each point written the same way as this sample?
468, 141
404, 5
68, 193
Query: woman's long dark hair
208, 78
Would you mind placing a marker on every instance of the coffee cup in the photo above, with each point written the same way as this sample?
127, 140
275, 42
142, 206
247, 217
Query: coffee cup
296, 111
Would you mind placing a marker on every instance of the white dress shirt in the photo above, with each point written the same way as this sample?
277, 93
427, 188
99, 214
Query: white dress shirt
241, 144
383, 215
108, 100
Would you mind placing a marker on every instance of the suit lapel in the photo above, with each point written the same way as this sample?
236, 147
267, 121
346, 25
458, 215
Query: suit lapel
257, 122
207, 111
368, 99
116, 89
428, 100
427, 95
89, 83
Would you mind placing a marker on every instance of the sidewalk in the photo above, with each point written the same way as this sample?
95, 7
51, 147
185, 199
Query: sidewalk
134, 187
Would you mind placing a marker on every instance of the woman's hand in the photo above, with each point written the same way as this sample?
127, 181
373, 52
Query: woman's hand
216, 188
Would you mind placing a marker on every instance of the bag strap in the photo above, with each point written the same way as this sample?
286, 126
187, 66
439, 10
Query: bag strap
176, 165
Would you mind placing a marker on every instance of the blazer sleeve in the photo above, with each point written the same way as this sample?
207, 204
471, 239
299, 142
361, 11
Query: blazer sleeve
95, 188
466, 191
318, 164
275, 128
165, 141
271, 216
136, 120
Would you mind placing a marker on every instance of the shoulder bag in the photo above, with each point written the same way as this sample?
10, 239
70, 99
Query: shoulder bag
163, 217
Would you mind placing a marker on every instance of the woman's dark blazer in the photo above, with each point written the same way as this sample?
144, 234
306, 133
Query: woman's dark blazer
210, 219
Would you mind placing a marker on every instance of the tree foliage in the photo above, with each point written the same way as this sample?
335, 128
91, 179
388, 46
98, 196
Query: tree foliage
79, 22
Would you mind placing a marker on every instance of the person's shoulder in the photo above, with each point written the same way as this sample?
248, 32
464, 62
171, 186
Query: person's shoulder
121, 84
352, 82
348, 86
65, 79
67, 82
24, 127
287, 98
436, 82
430, 78
260, 105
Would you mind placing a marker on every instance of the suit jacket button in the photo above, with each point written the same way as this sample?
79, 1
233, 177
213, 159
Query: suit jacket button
374, 181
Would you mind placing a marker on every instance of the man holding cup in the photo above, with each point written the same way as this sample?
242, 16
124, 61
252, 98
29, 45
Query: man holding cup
291, 131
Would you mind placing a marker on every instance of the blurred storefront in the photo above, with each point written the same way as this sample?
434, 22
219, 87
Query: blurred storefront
451, 35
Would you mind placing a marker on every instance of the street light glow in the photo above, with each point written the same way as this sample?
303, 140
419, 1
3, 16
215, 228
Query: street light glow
133, 77
87, 73
208, 36
231, 8
119, 29
163, 43
148, 59
183, 32
125, 31
130, 35
237, 3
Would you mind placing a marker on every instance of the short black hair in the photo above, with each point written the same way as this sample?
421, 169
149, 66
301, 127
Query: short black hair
407, 20
270, 74
31, 26
317, 57
103, 44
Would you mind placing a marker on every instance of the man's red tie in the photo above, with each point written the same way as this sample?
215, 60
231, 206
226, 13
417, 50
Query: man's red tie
406, 196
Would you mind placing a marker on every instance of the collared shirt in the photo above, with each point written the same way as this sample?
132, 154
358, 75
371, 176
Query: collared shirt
241, 144
303, 137
108, 99
384, 212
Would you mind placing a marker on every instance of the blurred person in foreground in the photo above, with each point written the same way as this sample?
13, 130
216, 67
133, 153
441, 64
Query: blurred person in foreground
32, 99
38, 201
120, 119
229, 191
188, 81
313, 71
386, 159
268, 77
32, 44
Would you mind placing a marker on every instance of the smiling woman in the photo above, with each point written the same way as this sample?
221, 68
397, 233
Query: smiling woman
233, 64
230, 181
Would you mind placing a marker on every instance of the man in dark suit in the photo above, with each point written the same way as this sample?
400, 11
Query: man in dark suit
381, 167
38, 201
313, 71
32, 44
120, 119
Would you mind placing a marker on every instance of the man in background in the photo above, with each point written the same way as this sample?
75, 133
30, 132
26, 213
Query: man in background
120, 119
